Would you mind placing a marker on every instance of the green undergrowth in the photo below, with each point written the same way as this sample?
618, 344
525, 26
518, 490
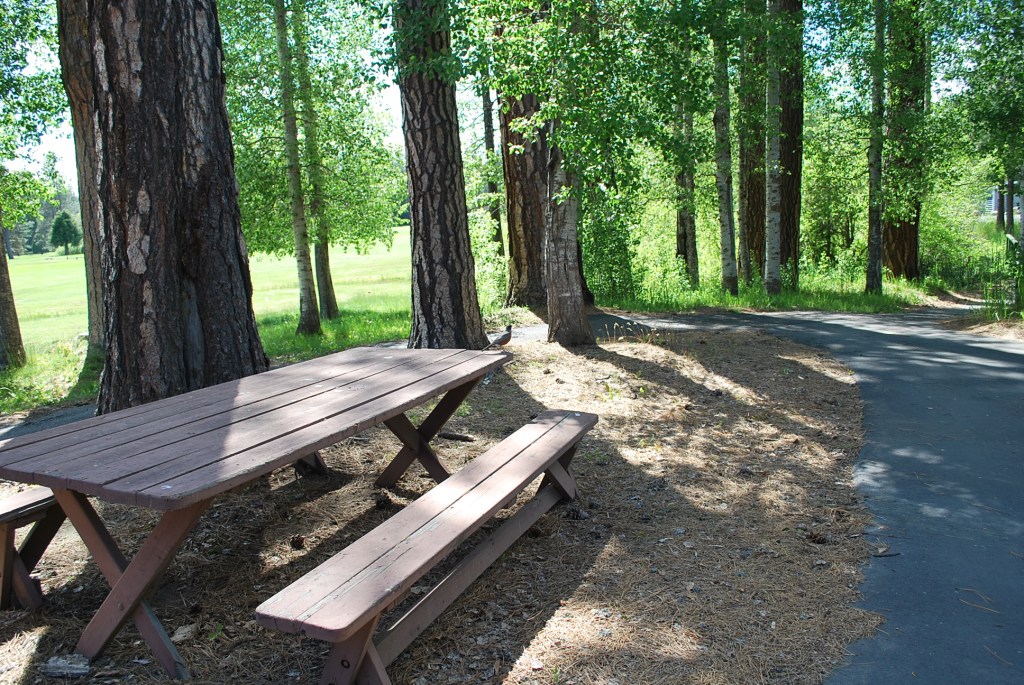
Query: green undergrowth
351, 329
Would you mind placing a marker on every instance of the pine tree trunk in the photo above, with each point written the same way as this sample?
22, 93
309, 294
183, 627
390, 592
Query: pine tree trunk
445, 310
12, 349
177, 295
773, 169
686, 221
791, 141
309, 314
328, 300
873, 282
752, 140
492, 187
723, 173
526, 187
1000, 211
77, 75
567, 317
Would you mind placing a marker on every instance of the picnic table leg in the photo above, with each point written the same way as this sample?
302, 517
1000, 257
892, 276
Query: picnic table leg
130, 581
416, 440
26, 590
355, 660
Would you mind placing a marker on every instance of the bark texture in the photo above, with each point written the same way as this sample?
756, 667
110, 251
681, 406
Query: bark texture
327, 299
1011, 191
723, 171
526, 185
445, 310
873, 282
773, 184
567, 317
178, 296
791, 140
12, 350
77, 74
686, 220
1000, 211
309, 313
752, 140
492, 187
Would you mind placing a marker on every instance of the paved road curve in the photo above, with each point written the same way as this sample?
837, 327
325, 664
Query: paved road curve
943, 472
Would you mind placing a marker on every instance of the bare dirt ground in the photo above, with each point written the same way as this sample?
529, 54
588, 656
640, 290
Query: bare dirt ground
718, 537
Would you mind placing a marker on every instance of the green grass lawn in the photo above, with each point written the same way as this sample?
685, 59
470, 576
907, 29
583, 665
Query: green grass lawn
373, 291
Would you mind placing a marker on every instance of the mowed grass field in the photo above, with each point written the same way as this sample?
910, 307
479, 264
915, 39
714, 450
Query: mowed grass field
373, 292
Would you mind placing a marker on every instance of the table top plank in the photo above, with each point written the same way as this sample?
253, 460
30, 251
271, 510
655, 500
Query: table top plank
235, 470
214, 442
130, 424
96, 464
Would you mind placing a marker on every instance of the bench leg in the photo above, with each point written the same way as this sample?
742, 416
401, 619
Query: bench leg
559, 476
7, 556
355, 660
129, 582
416, 440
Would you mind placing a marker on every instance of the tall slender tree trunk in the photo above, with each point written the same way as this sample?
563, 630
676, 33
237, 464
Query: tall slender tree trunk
567, 317
177, 294
906, 161
327, 298
494, 206
723, 173
752, 139
12, 349
773, 190
873, 282
445, 310
1000, 211
524, 160
686, 220
309, 314
1011, 191
791, 140
77, 73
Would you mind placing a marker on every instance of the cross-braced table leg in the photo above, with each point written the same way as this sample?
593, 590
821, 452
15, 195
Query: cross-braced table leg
416, 441
130, 581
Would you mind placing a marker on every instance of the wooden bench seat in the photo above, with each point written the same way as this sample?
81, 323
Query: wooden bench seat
31, 506
342, 600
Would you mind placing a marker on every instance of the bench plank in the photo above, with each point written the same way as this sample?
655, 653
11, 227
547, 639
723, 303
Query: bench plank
336, 599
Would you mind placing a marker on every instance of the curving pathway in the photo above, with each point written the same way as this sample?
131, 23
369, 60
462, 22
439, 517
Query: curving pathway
942, 469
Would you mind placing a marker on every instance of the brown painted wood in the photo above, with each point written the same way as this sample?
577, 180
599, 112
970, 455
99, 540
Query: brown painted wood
7, 556
26, 592
416, 447
31, 506
345, 658
112, 565
41, 535
393, 641
26, 506
363, 579
430, 427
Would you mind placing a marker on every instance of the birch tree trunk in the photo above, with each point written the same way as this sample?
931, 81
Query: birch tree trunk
723, 173
177, 295
309, 314
77, 75
524, 160
873, 282
327, 298
567, 317
492, 187
773, 185
445, 310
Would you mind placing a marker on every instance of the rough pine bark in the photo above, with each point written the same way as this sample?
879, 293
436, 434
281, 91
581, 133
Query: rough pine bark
752, 140
723, 172
309, 313
791, 141
445, 310
327, 299
492, 187
77, 75
567, 317
178, 298
524, 160
773, 168
12, 350
873, 282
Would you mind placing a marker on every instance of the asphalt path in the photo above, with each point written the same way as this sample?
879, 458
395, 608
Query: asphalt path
942, 470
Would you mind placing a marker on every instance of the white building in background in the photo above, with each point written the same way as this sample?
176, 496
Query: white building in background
990, 202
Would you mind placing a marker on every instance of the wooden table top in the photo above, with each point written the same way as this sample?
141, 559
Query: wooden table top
177, 451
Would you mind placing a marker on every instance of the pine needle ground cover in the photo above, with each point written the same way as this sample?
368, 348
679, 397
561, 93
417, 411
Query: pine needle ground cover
718, 537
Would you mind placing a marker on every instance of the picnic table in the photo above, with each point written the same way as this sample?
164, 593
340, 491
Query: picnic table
177, 455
